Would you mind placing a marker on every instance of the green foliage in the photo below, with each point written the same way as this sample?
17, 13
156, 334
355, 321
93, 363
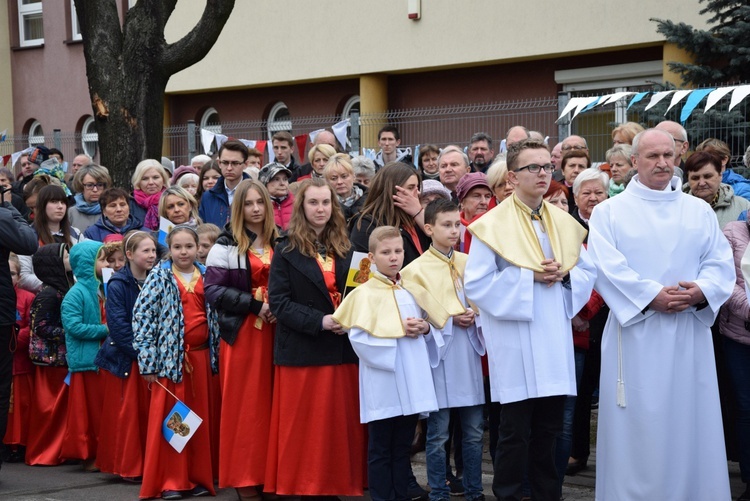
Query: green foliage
722, 53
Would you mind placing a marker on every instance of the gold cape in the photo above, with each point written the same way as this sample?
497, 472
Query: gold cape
373, 308
507, 229
442, 276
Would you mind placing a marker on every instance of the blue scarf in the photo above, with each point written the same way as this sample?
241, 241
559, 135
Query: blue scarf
85, 207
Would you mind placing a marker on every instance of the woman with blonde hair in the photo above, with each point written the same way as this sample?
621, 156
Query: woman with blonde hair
624, 133
497, 178
318, 156
179, 206
149, 181
236, 281
316, 375
339, 172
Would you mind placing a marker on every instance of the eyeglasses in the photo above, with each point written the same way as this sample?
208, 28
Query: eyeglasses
535, 168
227, 163
98, 186
574, 147
678, 140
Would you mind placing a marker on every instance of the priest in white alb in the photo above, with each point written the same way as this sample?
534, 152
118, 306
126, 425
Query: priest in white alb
529, 274
664, 268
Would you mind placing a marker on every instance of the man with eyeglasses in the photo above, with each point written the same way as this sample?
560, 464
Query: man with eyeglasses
530, 253
681, 144
216, 203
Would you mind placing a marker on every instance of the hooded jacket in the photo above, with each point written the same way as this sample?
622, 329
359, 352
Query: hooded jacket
47, 336
104, 227
81, 314
728, 206
117, 354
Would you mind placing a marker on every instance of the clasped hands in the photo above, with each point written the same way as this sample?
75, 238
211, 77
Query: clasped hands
677, 298
552, 273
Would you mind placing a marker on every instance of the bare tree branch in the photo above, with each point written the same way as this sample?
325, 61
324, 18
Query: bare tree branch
195, 45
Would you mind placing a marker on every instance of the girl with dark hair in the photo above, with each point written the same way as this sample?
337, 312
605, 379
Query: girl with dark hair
52, 226
393, 200
237, 271
209, 175
316, 373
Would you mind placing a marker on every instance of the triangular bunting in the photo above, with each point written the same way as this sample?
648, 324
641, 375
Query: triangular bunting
738, 95
692, 101
716, 96
658, 97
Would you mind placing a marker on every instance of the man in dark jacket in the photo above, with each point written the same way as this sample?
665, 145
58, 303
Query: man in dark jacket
216, 203
15, 236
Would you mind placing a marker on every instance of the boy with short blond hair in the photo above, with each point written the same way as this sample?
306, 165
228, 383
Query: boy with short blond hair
388, 326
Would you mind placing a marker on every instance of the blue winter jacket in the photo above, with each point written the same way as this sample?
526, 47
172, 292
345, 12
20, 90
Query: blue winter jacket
117, 354
104, 227
739, 184
81, 315
214, 207
159, 326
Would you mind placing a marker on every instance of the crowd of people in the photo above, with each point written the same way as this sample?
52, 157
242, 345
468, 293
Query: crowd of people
319, 318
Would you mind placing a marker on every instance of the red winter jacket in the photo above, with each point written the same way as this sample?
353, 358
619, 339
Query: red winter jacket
282, 212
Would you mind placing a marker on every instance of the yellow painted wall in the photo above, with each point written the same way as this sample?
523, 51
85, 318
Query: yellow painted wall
674, 54
268, 42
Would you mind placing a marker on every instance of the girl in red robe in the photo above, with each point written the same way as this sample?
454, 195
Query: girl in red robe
177, 337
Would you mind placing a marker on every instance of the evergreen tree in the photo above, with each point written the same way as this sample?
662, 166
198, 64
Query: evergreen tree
722, 53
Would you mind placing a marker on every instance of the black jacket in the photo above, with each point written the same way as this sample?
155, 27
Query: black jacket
228, 283
353, 211
360, 237
299, 300
47, 337
15, 236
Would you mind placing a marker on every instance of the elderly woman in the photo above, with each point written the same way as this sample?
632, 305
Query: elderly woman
149, 180
734, 344
364, 169
89, 183
428, 165
624, 133
618, 158
497, 178
573, 163
589, 190
318, 156
339, 173
116, 217
739, 184
179, 207
703, 171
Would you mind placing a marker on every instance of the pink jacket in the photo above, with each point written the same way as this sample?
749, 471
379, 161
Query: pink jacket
282, 212
736, 311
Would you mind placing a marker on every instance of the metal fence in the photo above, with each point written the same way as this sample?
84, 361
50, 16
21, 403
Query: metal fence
448, 125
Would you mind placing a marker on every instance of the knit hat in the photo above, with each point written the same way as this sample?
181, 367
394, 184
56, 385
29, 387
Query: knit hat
469, 182
269, 171
180, 171
39, 155
430, 186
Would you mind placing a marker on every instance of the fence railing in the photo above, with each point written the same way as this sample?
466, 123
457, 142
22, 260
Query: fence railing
443, 125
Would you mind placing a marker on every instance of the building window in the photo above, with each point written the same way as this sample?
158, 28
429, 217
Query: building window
89, 137
279, 119
350, 107
210, 121
36, 134
75, 28
30, 23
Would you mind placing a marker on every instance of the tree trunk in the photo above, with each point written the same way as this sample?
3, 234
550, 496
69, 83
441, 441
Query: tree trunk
128, 69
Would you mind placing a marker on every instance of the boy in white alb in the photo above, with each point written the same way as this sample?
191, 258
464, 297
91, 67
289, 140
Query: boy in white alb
397, 348
458, 377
